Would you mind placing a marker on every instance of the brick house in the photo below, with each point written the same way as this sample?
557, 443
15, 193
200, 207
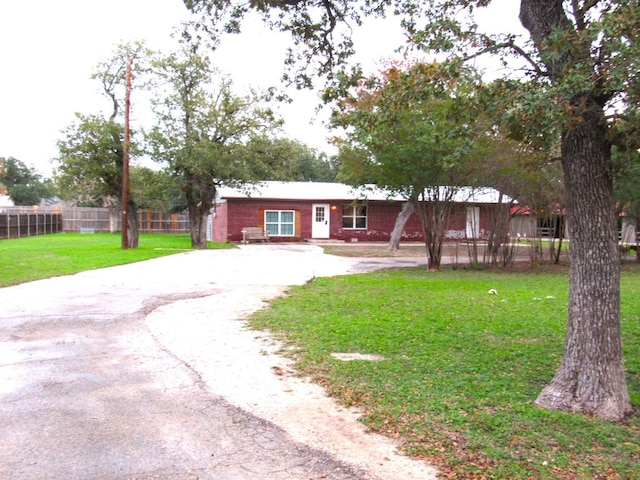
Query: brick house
297, 211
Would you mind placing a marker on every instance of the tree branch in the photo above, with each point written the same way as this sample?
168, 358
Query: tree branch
519, 50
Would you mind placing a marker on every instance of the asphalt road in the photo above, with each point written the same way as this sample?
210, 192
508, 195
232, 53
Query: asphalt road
89, 391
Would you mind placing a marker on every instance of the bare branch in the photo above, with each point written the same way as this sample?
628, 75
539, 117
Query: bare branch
510, 45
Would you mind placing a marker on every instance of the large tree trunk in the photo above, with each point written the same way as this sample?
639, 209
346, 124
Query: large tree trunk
591, 376
198, 223
401, 220
199, 201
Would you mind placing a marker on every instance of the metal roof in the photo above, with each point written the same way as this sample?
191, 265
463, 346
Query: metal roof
325, 191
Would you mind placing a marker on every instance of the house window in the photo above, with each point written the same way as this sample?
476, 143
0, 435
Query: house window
354, 216
279, 223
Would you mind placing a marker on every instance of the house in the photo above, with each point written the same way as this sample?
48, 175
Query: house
296, 211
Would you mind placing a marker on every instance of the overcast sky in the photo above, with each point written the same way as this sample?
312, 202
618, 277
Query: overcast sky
50, 47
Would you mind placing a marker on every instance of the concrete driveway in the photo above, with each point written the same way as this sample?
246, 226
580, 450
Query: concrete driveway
147, 371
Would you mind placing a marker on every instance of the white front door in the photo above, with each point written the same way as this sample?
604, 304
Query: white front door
320, 228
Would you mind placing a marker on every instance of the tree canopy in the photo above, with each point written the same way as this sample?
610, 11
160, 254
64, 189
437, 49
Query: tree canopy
413, 135
204, 131
23, 184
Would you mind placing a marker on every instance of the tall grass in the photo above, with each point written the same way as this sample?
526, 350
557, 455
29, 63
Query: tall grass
461, 368
33, 258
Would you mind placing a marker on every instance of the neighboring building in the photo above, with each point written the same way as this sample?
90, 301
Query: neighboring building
296, 211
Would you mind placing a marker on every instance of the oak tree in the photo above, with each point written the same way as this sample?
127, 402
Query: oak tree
91, 154
203, 130
22, 183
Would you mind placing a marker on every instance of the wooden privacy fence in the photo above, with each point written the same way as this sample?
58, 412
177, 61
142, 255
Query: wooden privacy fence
18, 222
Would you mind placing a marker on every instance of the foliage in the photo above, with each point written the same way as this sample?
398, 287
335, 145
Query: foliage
415, 132
156, 190
89, 171
320, 30
412, 127
111, 73
91, 155
602, 30
23, 184
33, 258
460, 368
203, 131
286, 159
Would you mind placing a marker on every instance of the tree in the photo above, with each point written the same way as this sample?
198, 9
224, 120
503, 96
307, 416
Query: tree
89, 170
523, 172
581, 62
413, 132
91, 156
286, 159
202, 133
23, 184
156, 190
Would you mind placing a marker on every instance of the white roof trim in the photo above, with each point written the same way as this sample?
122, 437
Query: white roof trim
325, 191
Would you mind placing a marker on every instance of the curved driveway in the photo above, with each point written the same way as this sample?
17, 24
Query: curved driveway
139, 372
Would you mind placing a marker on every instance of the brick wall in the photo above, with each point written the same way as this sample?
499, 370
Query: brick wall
219, 223
232, 216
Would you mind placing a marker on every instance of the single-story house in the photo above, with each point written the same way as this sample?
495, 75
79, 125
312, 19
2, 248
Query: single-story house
295, 211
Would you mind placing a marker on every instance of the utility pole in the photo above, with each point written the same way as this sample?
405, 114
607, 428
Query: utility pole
125, 160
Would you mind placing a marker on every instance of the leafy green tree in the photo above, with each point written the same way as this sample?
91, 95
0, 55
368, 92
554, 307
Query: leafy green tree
156, 190
523, 172
91, 156
286, 159
23, 184
89, 163
202, 133
580, 64
415, 132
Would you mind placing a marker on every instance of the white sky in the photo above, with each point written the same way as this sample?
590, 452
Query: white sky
49, 48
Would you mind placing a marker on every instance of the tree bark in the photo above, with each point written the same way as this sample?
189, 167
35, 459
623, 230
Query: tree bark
401, 220
590, 378
199, 201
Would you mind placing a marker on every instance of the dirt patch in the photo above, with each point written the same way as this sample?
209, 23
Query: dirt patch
347, 357
362, 249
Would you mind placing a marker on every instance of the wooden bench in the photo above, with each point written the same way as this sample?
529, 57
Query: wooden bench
250, 234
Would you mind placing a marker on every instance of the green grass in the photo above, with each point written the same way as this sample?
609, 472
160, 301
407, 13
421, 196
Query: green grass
461, 368
33, 258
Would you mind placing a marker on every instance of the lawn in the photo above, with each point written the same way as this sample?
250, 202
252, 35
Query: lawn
33, 258
461, 368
